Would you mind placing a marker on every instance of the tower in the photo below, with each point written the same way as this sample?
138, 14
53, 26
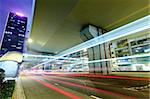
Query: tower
14, 34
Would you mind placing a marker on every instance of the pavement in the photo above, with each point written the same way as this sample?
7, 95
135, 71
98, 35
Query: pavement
132, 74
18, 91
84, 86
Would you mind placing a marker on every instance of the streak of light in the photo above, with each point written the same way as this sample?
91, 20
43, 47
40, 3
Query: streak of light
81, 81
90, 88
131, 28
68, 94
101, 76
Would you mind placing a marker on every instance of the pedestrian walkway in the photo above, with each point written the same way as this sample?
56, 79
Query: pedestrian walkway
18, 92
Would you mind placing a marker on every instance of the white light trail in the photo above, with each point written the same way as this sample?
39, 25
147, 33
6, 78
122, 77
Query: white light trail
111, 59
131, 28
47, 56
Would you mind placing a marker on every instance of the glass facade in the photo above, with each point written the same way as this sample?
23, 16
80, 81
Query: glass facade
14, 34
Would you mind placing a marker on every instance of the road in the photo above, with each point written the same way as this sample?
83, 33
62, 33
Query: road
59, 86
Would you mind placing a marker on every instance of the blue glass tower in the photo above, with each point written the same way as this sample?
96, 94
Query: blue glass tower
14, 34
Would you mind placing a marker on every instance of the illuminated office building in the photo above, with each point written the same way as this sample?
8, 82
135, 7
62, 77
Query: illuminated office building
14, 33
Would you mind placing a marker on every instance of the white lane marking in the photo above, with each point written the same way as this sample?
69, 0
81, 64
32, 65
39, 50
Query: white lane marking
137, 88
56, 84
95, 97
132, 89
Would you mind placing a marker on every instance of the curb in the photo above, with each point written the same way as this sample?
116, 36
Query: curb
18, 92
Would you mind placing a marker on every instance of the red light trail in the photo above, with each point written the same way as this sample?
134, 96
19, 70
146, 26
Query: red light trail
102, 76
90, 88
68, 94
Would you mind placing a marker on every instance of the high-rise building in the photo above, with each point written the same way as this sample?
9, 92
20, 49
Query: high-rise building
14, 34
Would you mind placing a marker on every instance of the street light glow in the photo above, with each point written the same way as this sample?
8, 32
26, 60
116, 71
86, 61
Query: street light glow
30, 40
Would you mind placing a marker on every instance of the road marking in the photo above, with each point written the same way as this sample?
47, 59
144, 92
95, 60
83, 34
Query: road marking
95, 97
82, 81
137, 88
132, 89
89, 88
56, 84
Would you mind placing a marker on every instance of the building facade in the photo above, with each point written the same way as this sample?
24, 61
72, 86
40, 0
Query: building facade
14, 34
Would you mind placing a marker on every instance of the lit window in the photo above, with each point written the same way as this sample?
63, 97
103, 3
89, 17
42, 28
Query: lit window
4, 49
18, 47
22, 35
21, 41
22, 22
21, 31
18, 22
9, 39
13, 45
8, 32
19, 44
11, 27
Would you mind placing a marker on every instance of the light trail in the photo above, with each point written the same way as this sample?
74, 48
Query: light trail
92, 89
68, 94
131, 28
77, 80
47, 56
92, 75
111, 59
102, 76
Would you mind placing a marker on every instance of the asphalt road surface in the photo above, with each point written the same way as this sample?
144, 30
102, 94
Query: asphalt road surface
75, 86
